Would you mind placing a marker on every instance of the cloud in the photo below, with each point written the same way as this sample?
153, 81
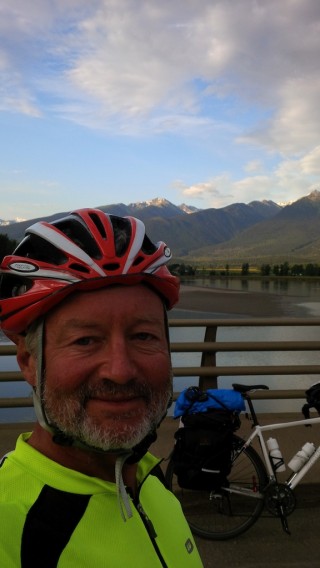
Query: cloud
254, 166
290, 179
15, 98
310, 163
149, 66
213, 191
299, 175
29, 56
294, 127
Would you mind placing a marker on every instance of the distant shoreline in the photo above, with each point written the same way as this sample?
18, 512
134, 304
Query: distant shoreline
251, 304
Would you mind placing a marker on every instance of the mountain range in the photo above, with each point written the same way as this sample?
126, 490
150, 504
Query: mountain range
257, 232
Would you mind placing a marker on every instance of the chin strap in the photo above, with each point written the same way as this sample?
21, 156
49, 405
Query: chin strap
123, 498
130, 457
39, 388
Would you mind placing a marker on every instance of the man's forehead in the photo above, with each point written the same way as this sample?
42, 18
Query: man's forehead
93, 322
139, 293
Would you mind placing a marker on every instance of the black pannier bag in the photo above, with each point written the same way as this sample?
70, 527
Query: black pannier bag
313, 400
202, 455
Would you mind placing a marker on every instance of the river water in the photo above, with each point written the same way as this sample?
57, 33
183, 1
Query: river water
303, 294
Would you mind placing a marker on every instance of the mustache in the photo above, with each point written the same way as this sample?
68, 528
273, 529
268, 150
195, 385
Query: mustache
107, 388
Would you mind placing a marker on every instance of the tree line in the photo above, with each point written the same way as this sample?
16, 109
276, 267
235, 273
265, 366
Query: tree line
310, 269
7, 245
282, 269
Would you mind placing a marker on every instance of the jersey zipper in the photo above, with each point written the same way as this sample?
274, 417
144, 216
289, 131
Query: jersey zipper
151, 532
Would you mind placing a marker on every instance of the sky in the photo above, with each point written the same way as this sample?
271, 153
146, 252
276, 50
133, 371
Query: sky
202, 102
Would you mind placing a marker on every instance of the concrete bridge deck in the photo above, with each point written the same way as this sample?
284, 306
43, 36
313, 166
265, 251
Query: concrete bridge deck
265, 545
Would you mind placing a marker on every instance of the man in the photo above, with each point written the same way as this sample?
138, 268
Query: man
85, 301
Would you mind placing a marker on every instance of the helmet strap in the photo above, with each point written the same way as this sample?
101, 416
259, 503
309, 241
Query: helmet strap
39, 388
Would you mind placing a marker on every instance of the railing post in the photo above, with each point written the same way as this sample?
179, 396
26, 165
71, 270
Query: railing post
208, 359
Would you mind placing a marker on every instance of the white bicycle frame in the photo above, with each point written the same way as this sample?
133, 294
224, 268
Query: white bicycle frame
258, 431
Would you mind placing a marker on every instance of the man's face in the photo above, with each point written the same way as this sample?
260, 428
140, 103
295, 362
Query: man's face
107, 366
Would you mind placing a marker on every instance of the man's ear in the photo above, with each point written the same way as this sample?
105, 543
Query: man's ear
26, 361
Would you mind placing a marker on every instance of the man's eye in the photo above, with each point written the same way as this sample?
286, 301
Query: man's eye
145, 336
83, 341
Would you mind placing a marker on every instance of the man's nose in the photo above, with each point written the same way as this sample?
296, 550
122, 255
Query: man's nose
117, 362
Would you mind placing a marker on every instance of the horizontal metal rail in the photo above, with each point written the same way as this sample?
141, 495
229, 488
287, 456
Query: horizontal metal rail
246, 371
16, 402
236, 346
11, 376
245, 322
209, 370
8, 349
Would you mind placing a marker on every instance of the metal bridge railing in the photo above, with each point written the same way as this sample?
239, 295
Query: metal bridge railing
209, 371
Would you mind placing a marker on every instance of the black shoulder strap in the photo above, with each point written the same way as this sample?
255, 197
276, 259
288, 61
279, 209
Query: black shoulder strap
157, 472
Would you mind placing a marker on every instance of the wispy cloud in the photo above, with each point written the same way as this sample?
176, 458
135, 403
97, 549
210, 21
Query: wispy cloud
290, 178
135, 62
215, 191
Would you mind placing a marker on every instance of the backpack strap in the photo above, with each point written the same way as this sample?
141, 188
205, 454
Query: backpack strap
306, 410
224, 406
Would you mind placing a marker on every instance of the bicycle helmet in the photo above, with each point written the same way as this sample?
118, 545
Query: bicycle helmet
86, 250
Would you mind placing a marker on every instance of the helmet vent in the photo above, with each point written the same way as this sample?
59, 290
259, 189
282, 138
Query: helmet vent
36, 248
12, 286
147, 246
122, 234
98, 223
137, 261
79, 267
111, 266
79, 235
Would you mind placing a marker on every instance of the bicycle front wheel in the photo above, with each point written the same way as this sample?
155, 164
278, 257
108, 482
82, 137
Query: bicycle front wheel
227, 513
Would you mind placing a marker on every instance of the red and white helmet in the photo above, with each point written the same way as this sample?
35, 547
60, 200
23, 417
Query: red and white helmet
85, 250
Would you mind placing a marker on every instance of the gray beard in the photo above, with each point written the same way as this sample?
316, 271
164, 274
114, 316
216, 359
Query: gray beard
68, 414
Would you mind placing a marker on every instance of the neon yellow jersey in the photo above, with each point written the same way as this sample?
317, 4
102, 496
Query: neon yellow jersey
51, 516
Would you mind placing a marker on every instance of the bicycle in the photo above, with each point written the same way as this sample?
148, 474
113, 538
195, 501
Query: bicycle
251, 485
